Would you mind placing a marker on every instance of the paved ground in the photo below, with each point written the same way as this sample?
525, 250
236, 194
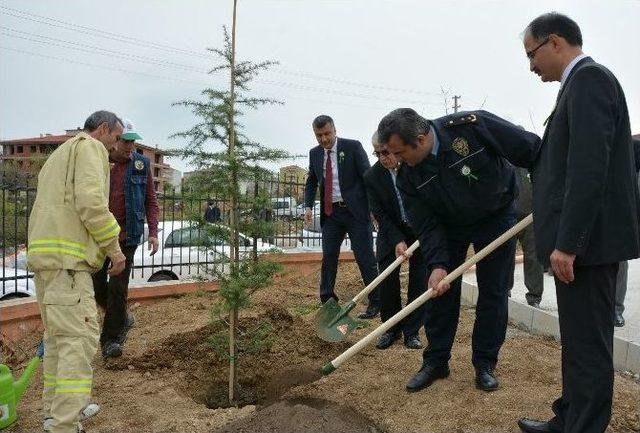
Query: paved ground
630, 332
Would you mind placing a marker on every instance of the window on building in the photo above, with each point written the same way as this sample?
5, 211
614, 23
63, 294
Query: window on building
158, 158
156, 172
140, 151
20, 149
155, 185
33, 149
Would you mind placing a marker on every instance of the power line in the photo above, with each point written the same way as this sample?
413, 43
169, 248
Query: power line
201, 83
258, 80
168, 48
353, 83
101, 66
91, 49
53, 22
455, 103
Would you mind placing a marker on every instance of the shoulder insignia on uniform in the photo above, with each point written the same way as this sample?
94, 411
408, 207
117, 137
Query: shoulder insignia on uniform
469, 118
139, 165
460, 146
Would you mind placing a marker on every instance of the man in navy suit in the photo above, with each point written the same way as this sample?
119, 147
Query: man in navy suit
585, 207
337, 166
394, 238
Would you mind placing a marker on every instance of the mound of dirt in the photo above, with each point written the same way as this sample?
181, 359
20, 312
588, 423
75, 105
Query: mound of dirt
290, 358
303, 416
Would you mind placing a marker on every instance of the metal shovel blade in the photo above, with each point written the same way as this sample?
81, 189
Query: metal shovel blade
333, 323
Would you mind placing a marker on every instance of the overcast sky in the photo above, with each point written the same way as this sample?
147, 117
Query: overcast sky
352, 59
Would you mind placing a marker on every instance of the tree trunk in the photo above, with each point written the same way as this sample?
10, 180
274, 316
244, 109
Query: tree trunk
235, 256
233, 379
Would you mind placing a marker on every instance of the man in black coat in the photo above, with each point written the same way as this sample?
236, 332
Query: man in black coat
459, 187
585, 205
337, 166
212, 212
394, 237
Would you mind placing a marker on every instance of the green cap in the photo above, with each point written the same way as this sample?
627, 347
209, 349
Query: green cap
129, 132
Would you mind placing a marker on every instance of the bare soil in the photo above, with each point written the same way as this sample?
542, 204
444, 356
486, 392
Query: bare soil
170, 380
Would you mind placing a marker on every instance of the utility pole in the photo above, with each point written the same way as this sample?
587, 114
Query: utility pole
455, 103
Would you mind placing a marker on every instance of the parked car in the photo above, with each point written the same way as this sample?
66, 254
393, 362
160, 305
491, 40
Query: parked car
311, 240
16, 283
186, 251
284, 207
299, 213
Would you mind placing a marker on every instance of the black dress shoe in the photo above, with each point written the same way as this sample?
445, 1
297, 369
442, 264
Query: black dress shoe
413, 342
387, 339
426, 376
618, 320
533, 426
372, 311
111, 350
485, 379
122, 336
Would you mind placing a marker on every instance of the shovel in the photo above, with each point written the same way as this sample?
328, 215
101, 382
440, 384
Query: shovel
333, 365
333, 323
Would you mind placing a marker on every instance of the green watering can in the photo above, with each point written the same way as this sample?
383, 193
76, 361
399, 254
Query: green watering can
12, 390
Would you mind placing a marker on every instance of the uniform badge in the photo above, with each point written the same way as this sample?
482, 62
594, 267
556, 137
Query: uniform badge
460, 146
139, 165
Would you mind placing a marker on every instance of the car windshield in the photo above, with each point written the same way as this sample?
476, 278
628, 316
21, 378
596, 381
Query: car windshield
197, 237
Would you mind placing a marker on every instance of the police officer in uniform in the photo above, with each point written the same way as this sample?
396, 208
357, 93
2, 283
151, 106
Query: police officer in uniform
459, 188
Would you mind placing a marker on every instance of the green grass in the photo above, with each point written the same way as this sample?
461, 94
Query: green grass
303, 310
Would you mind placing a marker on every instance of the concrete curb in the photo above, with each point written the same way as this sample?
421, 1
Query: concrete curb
21, 317
626, 354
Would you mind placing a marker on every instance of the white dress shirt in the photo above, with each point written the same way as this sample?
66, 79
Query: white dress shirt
394, 178
337, 196
569, 68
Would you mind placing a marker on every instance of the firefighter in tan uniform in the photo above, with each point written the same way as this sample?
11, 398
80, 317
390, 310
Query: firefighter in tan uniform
70, 232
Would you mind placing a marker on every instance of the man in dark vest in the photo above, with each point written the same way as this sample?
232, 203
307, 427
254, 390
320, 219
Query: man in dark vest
132, 197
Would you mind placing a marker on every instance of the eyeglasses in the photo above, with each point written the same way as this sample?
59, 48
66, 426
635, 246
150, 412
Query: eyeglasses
531, 54
378, 154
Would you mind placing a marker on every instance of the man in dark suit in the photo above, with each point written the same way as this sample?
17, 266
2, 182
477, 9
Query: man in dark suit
337, 166
212, 212
394, 237
585, 205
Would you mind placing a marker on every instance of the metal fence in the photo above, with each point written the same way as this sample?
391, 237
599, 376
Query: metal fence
182, 254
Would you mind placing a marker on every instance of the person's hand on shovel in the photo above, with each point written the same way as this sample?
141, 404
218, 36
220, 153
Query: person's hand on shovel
401, 250
436, 281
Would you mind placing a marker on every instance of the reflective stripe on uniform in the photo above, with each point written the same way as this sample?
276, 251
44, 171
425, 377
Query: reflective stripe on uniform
111, 230
73, 390
61, 246
49, 381
73, 386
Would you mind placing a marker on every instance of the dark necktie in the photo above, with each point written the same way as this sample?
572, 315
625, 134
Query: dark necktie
328, 186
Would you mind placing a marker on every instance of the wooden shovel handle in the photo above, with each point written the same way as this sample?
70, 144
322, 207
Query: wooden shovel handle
429, 293
380, 278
